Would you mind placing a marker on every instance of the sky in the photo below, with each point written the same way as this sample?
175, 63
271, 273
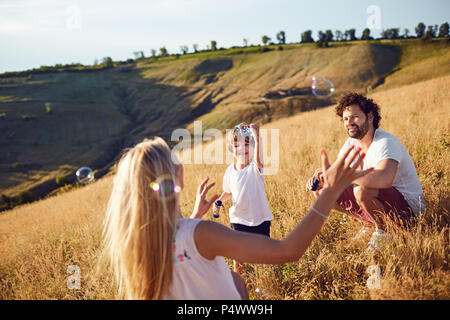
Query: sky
47, 32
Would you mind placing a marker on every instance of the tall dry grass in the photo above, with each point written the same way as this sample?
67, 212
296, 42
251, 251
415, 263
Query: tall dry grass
39, 241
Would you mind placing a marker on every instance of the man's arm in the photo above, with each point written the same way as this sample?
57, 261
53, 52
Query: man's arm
382, 177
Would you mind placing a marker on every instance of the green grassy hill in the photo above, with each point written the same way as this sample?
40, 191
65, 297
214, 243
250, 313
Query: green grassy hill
95, 114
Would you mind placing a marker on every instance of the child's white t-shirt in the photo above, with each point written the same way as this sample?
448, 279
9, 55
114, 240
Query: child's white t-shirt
249, 202
194, 277
386, 146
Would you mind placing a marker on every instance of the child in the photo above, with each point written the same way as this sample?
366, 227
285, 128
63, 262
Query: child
243, 181
157, 254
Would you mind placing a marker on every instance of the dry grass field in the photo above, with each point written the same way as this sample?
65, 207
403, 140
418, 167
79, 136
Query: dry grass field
39, 241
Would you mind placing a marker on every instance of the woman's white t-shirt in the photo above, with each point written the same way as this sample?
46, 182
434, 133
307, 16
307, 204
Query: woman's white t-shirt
194, 277
386, 146
249, 202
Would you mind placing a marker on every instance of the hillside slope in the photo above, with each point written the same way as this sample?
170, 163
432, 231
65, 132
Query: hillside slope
40, 240
94, 115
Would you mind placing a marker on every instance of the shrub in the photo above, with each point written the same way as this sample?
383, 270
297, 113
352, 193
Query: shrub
5, 199
27, 117
17, 166
48, 108
26, 197
322, 44
61, 181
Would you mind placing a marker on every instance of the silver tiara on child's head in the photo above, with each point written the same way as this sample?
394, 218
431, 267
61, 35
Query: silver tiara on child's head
244, 129
240, 131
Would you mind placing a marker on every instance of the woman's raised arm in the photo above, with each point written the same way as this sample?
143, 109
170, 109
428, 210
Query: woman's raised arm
213, 239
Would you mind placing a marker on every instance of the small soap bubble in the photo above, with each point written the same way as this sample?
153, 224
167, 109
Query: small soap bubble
85, 175
322, 87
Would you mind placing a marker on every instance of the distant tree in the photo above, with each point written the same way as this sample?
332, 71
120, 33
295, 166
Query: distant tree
213, 45
431, 31
138, 54
346, 35
391, 33
395, 33
321, 36
245, 42
366, 34
321, 42
153, 52
95, 62
306, 37
338, 35
443, 30
184, 49
420, 30
195, 47
351, 34
329, 35
163, 52
107, 61
265, 39
281, 37
406, 33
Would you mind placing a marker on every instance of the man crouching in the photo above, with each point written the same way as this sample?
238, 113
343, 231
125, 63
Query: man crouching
393, 188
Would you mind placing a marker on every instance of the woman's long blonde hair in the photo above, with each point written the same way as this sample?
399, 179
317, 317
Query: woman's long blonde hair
140, 222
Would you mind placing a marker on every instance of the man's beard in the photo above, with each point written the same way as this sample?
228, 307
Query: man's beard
359, 132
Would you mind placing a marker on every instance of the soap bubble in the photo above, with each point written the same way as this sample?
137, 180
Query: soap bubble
85, 175
322, 87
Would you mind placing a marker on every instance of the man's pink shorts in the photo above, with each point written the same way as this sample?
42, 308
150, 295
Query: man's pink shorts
396, 206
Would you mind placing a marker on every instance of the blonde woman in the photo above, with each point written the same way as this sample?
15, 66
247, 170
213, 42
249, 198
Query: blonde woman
157, 254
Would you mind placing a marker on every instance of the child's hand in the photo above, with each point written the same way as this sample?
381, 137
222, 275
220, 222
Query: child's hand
202, 205
255, 130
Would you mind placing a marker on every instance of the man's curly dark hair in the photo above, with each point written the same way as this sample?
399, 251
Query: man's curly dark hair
366, 105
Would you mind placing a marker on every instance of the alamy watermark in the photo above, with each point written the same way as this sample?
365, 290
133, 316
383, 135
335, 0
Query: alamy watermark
374, 280
374, 19
73, 20
209, 147
74, 280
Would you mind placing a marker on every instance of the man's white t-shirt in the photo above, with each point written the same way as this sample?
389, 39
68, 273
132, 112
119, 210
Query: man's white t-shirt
386, 146
250, 206
194, 277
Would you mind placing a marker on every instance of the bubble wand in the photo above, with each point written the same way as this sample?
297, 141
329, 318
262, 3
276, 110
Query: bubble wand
218, 205
315, 184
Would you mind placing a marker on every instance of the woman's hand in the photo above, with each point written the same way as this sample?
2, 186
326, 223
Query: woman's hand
341, 173
202, 205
